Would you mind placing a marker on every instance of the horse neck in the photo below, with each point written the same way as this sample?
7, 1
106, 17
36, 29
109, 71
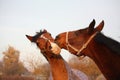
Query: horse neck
58, 67
105, 60
61, 70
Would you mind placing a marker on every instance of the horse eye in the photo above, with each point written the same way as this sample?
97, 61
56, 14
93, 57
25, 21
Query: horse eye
57, 37
50, 47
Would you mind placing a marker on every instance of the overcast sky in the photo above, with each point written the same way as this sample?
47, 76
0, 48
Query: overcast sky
21, 17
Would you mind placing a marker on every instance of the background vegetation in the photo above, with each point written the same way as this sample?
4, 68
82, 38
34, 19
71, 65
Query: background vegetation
11, 68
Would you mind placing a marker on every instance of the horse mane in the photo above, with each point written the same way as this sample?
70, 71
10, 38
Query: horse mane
38, 34
108, 42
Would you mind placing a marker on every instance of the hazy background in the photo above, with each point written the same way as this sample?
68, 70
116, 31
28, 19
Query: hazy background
21, 17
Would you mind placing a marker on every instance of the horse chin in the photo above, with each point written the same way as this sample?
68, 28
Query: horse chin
55, 48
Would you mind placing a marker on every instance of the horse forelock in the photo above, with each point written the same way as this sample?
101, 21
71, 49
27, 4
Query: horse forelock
38, 34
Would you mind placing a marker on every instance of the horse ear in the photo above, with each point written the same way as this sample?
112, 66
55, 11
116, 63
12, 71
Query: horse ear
91, 26
29, 37
100, 26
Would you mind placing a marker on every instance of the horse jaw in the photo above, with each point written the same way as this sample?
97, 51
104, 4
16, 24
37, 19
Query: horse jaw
55, 48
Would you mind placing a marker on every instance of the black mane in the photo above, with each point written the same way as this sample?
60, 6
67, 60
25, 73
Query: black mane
110, 43
38, 34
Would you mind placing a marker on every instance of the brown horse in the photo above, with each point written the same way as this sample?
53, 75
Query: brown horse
60, 69
91, 42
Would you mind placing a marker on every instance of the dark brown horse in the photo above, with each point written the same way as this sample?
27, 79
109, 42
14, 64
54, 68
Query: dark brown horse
91, 42
59, 68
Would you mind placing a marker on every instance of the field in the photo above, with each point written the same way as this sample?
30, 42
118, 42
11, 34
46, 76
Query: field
16, 77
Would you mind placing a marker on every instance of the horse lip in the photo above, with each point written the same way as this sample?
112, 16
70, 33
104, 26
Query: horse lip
55, 48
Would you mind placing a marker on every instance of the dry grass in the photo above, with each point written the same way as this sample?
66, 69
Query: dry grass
9, 72
85, 65
15, 77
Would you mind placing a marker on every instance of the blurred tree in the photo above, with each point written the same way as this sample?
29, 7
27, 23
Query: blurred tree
11, 63
1, 68
36, 66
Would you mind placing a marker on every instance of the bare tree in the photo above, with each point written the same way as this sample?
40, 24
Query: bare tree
34, 63
11, 63
1, 68
86, 65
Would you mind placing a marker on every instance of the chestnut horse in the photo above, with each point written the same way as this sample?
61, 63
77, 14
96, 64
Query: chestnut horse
60, 69
92, 43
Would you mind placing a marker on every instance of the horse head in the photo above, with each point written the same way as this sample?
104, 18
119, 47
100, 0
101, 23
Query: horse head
45, 42
76, 41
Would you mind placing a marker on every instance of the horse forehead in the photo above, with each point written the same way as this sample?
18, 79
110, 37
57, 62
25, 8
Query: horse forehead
48, 36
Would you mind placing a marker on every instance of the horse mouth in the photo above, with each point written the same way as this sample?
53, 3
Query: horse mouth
55, 48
